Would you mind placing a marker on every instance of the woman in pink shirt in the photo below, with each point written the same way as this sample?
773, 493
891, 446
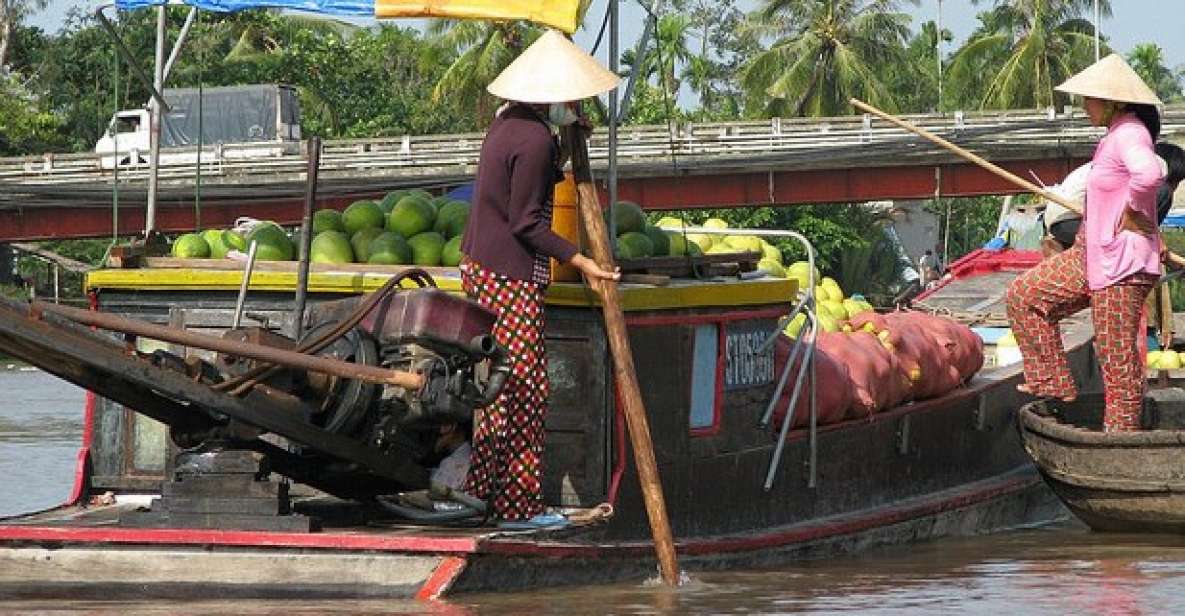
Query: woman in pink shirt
1116, 258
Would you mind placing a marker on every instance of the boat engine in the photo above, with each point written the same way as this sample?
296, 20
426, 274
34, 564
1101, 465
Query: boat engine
444, 338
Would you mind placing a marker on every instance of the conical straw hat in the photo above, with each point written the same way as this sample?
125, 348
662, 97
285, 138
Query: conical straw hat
552, 70
1112, 79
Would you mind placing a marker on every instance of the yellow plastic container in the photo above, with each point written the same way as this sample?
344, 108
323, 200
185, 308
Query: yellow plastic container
565, 221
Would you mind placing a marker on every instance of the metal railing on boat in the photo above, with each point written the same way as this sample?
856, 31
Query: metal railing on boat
804, 344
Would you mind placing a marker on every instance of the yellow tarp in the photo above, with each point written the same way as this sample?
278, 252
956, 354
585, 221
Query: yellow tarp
559, 14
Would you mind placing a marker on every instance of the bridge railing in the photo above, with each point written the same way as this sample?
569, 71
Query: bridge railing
777, 137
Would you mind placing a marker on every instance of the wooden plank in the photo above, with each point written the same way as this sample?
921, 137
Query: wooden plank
291, 266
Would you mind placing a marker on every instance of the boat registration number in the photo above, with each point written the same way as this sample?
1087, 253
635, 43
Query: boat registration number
745, 364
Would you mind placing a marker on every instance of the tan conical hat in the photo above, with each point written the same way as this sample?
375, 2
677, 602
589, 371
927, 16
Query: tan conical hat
552, 70
1112, 79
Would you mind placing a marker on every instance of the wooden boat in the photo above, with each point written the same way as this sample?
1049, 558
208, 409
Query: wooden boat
945, 466
1118, 482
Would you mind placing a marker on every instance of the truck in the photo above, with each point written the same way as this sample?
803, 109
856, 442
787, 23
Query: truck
244, 121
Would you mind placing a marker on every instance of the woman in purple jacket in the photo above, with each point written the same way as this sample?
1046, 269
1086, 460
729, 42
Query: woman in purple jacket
509, 245
1115, 260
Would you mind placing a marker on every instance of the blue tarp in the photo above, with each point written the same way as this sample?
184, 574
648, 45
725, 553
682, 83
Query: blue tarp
363, 8
463, 192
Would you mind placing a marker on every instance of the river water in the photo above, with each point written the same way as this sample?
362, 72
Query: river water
1060, 569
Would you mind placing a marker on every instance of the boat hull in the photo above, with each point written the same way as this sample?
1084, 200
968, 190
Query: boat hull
1125, 482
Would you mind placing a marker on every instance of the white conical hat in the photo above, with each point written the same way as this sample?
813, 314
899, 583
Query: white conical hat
1112, 79
552, 70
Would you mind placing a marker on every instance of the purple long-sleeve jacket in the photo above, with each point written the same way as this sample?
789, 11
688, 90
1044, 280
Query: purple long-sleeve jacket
1125, 172
510, 219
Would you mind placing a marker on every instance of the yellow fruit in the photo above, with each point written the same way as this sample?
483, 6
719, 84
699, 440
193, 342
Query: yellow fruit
1152, 358
869, 327
827, 323
715, 223
795, 325
1169, 360
833, 288
1007, 340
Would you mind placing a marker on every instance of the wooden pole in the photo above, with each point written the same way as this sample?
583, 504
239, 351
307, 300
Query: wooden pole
623, 359
1007, 175
996, 169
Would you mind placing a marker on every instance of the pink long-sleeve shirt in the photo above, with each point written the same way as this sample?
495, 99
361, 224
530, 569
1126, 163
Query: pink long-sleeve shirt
1125, 173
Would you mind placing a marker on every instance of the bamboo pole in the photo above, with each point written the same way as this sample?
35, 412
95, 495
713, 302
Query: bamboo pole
996, 169
623, 360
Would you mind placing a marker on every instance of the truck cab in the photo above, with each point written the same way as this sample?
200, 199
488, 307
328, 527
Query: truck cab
236, 122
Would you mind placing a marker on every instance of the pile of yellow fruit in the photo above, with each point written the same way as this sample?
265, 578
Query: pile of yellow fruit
1164, 360
833, 307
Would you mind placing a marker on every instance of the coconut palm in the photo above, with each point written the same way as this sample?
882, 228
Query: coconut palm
824, 52
481, 49
1148, 60
1025, 48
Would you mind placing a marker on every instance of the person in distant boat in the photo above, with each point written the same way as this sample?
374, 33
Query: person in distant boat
1115, 258
1061, 224
508, 246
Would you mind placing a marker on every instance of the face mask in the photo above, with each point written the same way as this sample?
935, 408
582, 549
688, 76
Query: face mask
560, 114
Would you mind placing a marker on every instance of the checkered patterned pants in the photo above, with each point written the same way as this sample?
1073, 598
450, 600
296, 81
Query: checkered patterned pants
507, 462
1055, 289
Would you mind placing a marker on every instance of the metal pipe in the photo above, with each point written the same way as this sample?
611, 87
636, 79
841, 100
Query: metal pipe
1096, 30
132, 61
248, 267
154, 124
306, 237
614, 32
639, 58
938, 53
312, 363
780, 448
782, 380
176, 51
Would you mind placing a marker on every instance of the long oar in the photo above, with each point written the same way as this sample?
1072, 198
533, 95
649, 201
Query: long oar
1007, 175
623, 359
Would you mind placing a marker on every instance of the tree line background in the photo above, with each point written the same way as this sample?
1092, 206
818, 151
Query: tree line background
709, 61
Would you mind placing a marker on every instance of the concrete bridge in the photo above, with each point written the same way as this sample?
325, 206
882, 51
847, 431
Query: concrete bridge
714, 165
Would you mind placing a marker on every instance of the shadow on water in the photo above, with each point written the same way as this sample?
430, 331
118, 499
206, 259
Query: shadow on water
1055, 570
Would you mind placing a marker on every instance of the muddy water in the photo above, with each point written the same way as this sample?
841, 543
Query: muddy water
1062, 569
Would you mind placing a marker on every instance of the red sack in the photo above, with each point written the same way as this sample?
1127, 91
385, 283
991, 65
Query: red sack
961, 345
834, 389
928, 365
870, 367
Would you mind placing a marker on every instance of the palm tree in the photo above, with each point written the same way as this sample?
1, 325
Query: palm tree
481, 49
12, 13
1148, 60
1026, 48
825, 52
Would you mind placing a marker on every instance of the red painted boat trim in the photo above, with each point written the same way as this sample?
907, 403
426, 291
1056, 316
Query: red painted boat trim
442, 578
177, 537
618, 446
82, 462
657, 320
980, 262
835, 527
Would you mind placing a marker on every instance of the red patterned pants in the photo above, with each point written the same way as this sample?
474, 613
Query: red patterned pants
507, 462
1055, 289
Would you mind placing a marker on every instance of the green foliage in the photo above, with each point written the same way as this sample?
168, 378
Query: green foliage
1148, 60
1022, 49
972, 222
25, 124
823, 53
